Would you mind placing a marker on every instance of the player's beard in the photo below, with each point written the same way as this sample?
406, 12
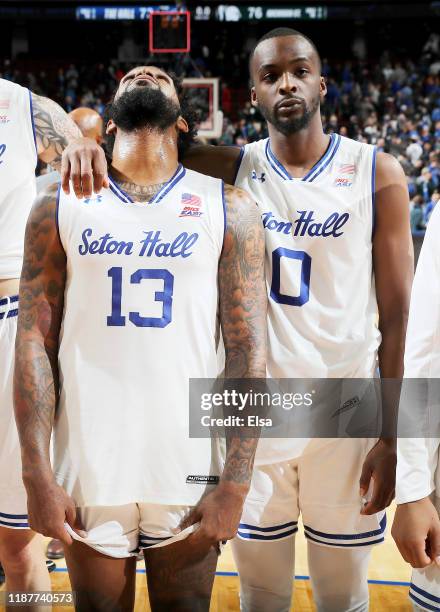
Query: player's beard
290, 125
143, 107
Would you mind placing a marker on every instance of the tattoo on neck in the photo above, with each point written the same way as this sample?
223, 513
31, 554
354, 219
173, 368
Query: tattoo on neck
141, 192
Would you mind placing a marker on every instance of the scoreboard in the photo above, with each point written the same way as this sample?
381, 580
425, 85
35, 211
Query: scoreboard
223, 12
230, 12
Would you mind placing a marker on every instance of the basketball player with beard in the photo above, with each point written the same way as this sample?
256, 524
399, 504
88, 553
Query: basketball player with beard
338, 254
120, 294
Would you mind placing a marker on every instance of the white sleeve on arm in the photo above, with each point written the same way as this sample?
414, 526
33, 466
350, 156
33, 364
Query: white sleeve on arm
417, 460
418, 457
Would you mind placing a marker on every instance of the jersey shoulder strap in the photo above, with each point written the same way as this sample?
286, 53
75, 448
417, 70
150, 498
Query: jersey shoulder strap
252, 160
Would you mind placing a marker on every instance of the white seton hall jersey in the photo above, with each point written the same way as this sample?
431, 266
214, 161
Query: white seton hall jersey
139, 321
418, 458
18, 158
322, 300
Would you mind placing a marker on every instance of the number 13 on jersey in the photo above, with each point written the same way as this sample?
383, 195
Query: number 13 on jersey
117, 319
304, 280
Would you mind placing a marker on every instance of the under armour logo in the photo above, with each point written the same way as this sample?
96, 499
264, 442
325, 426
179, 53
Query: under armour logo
260, 178
96, 200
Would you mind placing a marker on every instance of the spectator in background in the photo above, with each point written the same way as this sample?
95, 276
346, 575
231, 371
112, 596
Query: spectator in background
431, 205
425, 185
69, 103
417, 216
434, 168
414, 151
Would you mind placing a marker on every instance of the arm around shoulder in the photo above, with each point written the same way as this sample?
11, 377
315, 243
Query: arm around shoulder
54, 129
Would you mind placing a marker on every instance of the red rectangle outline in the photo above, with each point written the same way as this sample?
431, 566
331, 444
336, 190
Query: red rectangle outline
188, 31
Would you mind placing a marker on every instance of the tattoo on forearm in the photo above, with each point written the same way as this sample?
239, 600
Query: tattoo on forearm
54, 129
40, 311
240, 459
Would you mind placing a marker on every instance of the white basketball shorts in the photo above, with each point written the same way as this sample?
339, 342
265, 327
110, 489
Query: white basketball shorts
322, 484
121, 531
425, 583
13, 506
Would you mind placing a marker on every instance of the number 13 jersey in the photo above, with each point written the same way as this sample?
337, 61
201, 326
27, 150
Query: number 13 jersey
318, 229
139, 321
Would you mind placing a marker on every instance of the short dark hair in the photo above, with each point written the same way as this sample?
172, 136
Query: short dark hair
279, 32
187, 110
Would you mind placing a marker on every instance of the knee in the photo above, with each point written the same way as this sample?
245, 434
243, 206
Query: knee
341, 597
339, 578
18, 555
266, 575
261, 592
257, 599
265, 591
258, 586
342, 602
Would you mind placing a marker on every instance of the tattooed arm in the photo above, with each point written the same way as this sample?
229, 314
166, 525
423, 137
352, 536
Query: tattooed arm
36, 366
54, 130
243, 315
243, 312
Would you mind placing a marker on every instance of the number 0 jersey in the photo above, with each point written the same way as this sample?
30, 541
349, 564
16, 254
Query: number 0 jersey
18, 158
139, 321
322, 304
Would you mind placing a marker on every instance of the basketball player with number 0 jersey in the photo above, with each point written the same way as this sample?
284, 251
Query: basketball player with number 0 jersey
121, 298
31, 127
338, 252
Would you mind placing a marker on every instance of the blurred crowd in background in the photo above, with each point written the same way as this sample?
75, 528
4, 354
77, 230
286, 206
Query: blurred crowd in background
391, 103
